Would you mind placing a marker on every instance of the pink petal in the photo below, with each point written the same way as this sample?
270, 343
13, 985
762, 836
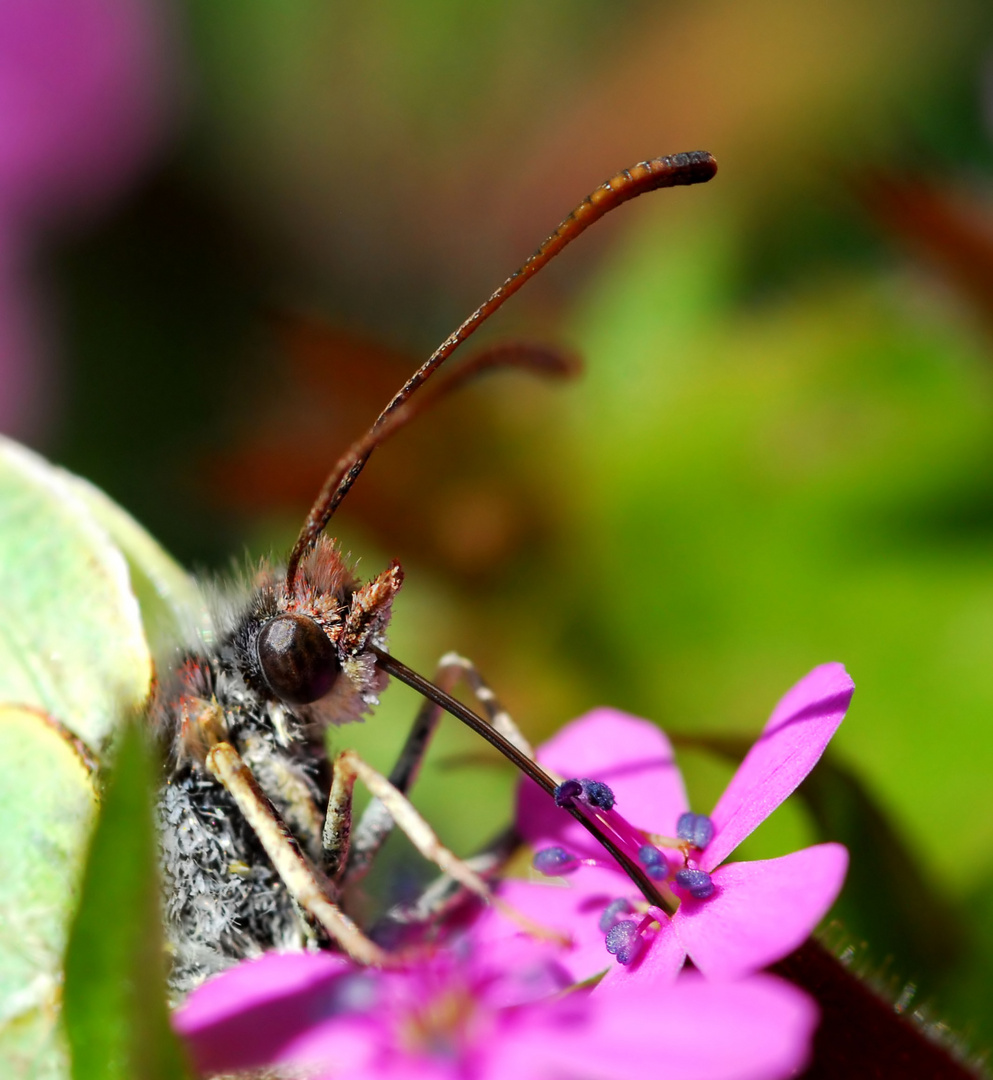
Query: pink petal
244, 1017
761, 911
631, 755
759, 1029
788, 748
529, 1043
340, 1046
572, 910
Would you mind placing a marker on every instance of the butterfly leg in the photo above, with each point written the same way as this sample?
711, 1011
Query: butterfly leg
412, 920
495, 713
349, 767
311, 889
377, 823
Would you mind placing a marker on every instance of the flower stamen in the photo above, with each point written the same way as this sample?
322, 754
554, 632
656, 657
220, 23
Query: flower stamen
595, 800
625, 939
557, 862
698, 883
613, 912
593, 793
695, 829
655, 863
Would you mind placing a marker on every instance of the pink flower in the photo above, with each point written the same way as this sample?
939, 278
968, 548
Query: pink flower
758, 912
84, 92
450, 1018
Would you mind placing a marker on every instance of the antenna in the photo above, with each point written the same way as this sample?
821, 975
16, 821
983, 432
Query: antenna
696, 167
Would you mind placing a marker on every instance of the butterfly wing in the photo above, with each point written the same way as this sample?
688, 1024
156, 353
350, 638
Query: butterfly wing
83, 592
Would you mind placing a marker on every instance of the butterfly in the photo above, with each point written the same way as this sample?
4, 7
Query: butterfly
257, 839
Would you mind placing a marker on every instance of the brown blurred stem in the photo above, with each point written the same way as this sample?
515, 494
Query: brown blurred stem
861, 1035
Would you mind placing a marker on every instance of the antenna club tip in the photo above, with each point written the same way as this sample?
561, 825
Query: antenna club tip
690, 167
675, 170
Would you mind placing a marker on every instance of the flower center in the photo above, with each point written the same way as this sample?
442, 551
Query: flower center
440, 1026
625, 937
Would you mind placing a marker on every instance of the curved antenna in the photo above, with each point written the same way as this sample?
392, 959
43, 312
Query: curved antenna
539, 359
696, 167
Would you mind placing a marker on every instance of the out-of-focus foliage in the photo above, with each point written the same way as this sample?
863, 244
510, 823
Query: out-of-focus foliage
116, 1019
782, 452
808, 479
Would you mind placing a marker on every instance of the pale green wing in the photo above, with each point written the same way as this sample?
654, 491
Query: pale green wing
47, 804
171, 605
83, 589
71, 637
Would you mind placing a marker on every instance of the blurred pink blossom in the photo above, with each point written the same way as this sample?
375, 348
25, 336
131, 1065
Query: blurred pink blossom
450, 1018
86, 91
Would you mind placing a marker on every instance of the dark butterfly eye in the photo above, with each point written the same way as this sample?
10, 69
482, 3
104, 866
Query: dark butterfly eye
296, 658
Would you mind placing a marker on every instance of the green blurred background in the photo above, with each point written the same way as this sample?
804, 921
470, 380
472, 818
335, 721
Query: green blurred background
781, 452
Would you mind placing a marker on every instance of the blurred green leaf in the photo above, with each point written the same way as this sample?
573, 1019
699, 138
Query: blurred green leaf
888, 901
805, 481
115, 1009
960, 998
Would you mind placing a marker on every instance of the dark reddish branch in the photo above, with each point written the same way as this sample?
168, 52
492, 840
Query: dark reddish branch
696, 167
861, 1036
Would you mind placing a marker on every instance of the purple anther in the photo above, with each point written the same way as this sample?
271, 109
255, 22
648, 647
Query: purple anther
654, 862
592, 792
612, 913
696, 882
554, 862
567, 791
624, 941
598, 794
649, 855
697, 829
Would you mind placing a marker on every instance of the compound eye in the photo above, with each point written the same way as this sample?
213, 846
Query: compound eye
296, 658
